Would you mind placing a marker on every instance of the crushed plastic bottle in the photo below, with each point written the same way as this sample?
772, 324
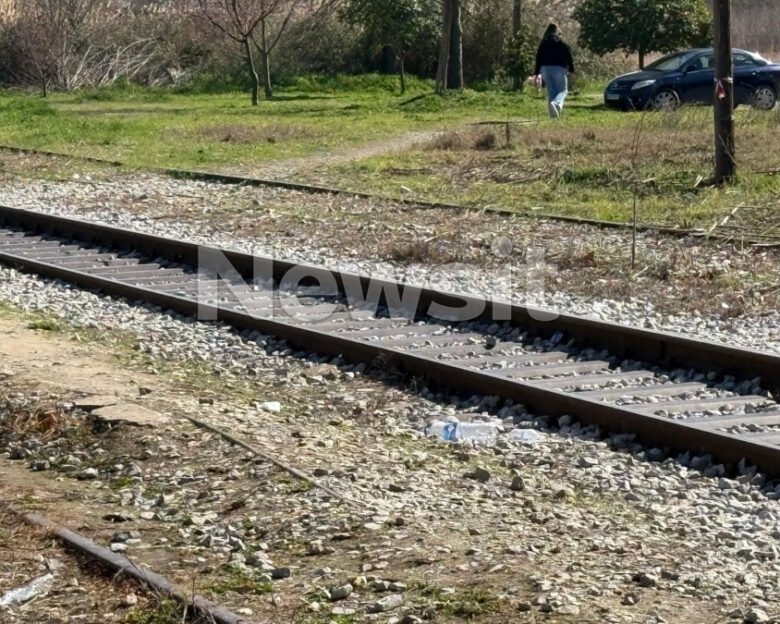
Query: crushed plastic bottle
474, 432
35, 588
442, 430
524, 436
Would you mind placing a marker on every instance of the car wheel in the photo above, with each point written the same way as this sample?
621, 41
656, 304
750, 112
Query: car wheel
666, 100
764, 98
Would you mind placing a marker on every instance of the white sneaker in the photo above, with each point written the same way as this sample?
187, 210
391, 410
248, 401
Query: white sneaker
555, 112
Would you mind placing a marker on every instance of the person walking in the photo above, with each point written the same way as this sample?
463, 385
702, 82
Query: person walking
553, 63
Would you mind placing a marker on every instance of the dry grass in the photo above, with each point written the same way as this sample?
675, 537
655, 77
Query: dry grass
682, 139
464, 141
424, 251
594, 170
486, 141
447, 141
21, 414
247, 135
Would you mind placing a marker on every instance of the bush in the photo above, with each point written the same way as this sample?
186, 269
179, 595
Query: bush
520, 56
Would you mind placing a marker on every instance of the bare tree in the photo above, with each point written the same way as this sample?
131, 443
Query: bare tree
68, 44
240, 20
49, 33
272, 27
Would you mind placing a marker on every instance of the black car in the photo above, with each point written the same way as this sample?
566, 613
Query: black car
688, 78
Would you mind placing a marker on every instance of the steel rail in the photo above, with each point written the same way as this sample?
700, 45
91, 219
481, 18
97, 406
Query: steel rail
653, 346
122, 565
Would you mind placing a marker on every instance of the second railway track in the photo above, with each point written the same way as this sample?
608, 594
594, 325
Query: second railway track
670, 390
760, 240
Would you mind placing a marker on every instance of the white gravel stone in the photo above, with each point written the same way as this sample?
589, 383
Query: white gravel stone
75, 199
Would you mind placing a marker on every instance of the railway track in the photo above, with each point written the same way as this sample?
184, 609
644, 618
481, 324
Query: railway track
761, 240
671, 391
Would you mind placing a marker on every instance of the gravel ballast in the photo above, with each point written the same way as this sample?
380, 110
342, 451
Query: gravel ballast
261, 221
595, 526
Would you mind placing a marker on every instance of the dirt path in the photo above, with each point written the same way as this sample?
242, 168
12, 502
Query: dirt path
53, 363
294, 168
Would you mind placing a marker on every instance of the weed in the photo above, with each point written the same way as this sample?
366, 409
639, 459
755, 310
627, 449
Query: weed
424, 251
472, 603
237, 581
247, 135
163, 612
326, 619
447, 141
122, 482
486, 141
44, 324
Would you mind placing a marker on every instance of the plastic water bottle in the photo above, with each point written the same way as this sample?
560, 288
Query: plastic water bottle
442, 430
31, 590
524, 436
475, 432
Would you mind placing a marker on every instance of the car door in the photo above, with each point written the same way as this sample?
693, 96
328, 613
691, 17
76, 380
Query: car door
697, 84
745, 72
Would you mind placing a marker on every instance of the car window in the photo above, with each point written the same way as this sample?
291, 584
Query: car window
705, 61
671, 62
743, 60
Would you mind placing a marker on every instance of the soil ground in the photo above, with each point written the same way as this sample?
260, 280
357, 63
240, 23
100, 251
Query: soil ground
427, 554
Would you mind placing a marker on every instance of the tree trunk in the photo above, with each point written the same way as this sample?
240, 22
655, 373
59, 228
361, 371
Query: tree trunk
266, 63
402, 73
517, 22
444, 49
250, 61
388, 62
44, 86
265, 58
455, 66
641, 58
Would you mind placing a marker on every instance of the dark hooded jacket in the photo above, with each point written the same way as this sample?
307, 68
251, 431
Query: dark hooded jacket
554, 51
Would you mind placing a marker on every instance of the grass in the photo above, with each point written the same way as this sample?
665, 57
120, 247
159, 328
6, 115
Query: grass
238, 582
581, 170
44, 324
584, 165
162, 612
144, 127
325, 618
469, 603
122, 482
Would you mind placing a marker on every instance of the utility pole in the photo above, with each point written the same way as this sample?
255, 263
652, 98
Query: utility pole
725, 159
517, 22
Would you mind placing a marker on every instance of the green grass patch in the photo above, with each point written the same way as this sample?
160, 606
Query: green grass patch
471, 603
163, 612
44, 324
236, 581
147, 127
589, 166
324, 618
122, 482
590, 163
